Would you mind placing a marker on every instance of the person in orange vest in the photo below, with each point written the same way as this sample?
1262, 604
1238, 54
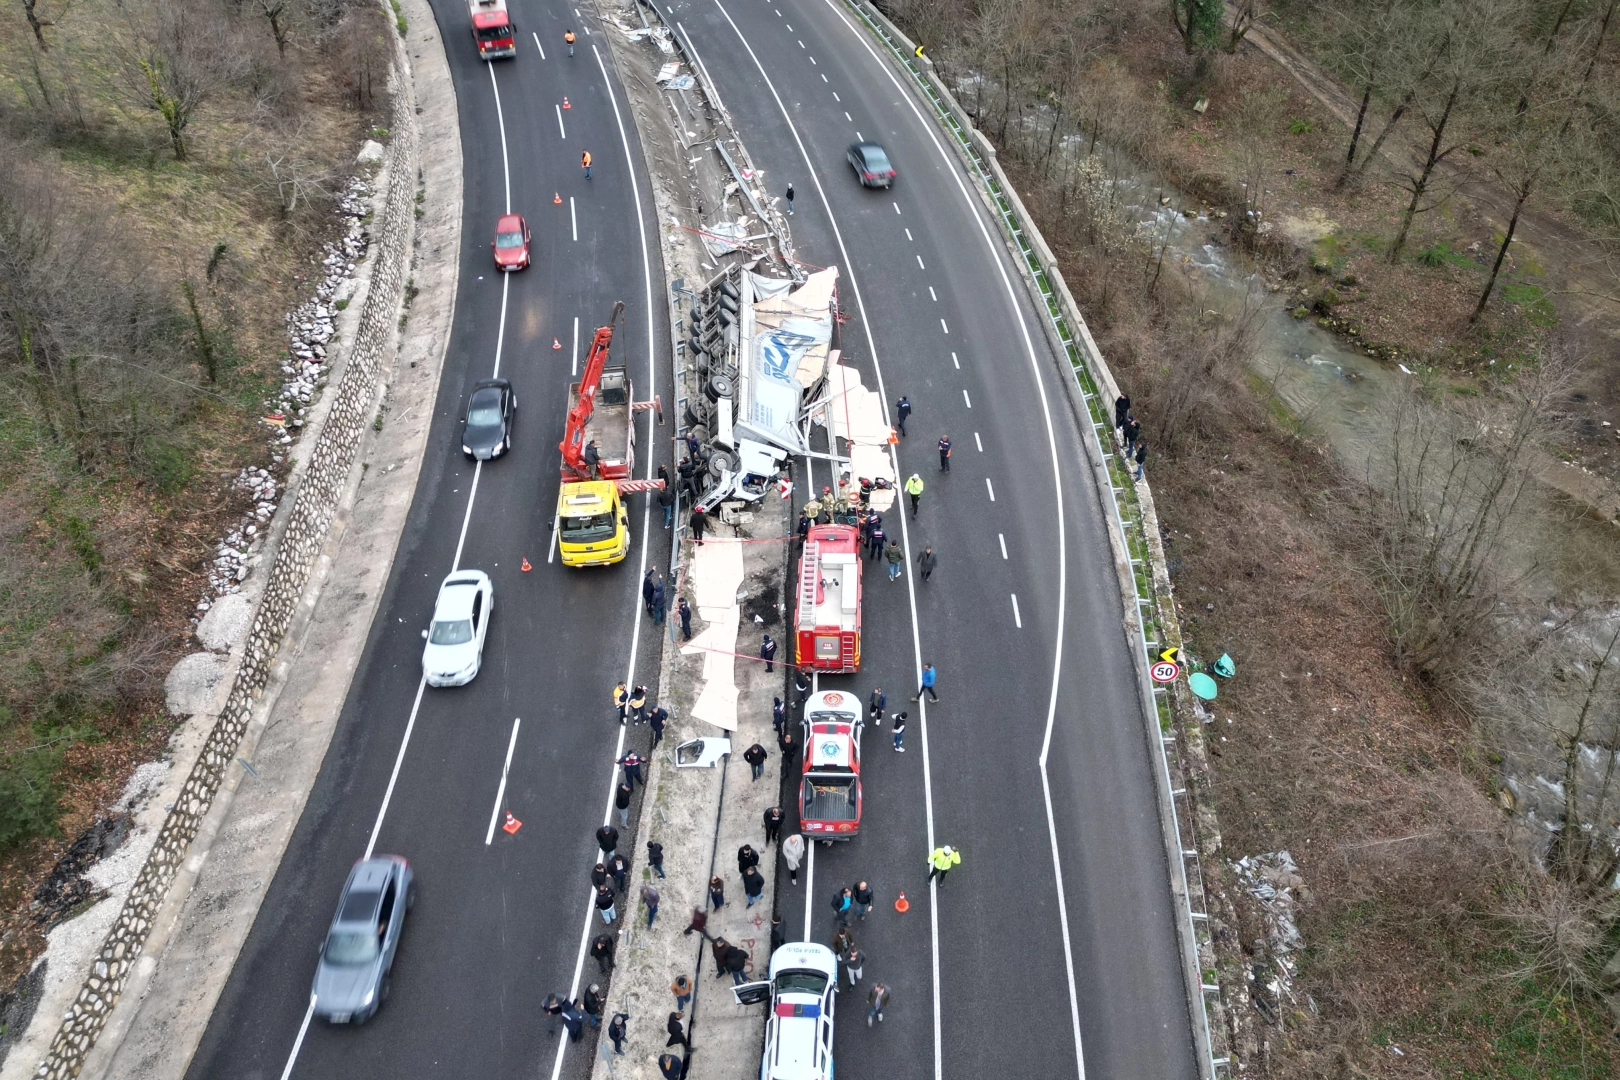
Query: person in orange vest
585, 163
569, 37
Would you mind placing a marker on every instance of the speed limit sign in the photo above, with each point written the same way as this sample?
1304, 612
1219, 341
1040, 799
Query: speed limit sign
1165, 671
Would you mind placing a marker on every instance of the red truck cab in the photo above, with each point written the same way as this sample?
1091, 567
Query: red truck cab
493, 31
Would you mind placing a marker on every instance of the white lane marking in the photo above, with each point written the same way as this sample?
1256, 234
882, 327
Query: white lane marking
933, 294
943, 327
835, 93
1003, 540
809, 883
500, 119
976, 440
551, 549
813, 61
574, 367
539, 46
905, 530
790, 30
896, 208
1035, 367
910, 237
1017, 618
920, 265
991, 488
388, 792
500, 792
801, 44
466, 519
573, 219
848, 117
859, 137
646, 526
958, 365
965, 399
562, 131
303, 1029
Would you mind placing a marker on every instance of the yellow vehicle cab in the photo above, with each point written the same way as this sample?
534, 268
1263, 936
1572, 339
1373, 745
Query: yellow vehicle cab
593, 527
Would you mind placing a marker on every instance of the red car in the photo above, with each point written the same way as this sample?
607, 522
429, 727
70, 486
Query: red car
511, 243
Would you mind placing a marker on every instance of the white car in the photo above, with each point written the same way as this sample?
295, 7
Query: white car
455, 641
799, 1027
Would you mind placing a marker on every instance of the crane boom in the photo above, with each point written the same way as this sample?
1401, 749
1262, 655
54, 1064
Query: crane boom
573, 444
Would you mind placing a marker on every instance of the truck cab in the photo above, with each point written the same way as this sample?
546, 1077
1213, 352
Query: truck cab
492, 28
830, 789
801, 989
593, 526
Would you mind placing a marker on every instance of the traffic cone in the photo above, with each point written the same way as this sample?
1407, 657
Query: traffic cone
902, 905
526, 567
565, 102
557, 198
555, 344
894, 437
512, 824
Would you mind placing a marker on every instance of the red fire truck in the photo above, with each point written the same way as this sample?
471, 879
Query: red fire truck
828, 634
493, 29
830, 792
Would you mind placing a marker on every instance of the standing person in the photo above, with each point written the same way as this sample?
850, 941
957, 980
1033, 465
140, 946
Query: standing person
875, 541
940, 861
803, 529
944, 453
632, 763
895, 558
927, 687
700, 521
657, 719
658, 602
621, 702
778, 934
649, 896
790, 748
585, 163
671, 1067
792, 852
602, 950
717, 949
773, 825
914, 488
655, 857
594, 1001
1141, 456
568, 36
843, 940
755, 756
573, 1018
801, 686
717, 892
607, 838
1122, 409
553, 1008
902, 409
619, 868
767, 653
617, 1031
621, 802
677, 1034
666, 498
684, 610
686, 470
737, 963
861, 894
700, 919
604, 905
790, 199
927, 561
876, 999
842, 902
682, 989
746, 857
899, 731
876, 702
638, 704
1132, 429
753, 884
599, 875
854, 964
778, 715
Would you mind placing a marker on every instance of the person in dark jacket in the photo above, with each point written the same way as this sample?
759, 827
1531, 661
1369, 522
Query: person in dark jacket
843, 941
842, 901
684, 610
1141, 457
778, 715
671, 1066
717, 949
677, 1033
944, 453
803, 529
753, 884
755, 756
767, 653
621, 802
666, 497
599, 875
773, 825
926, 562
657, 718
618, 1030
876, 703
861, 894
602, 950
647, 589
746, 857
1132, 431
1122, 409
594, 1001
658, 603
899, 731
632, 763
700, 521
604, 905
902, 409
607, 838
573, 1018
717, 892
737, 964
553, 1008
778, 933
790, 747
875, 541
655, 857
619, 867
700, 919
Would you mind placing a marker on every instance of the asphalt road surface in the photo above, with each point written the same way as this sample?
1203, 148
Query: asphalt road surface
497, 926
1022, 618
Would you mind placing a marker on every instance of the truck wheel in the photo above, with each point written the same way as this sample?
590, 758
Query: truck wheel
728, 289
719, 386
729, 304
692, 418
695, 347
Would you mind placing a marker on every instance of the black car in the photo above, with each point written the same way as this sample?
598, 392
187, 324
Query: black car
871, 165
487, 430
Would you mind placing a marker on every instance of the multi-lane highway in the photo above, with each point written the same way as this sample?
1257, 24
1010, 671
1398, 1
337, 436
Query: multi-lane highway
416, 771
1052, 950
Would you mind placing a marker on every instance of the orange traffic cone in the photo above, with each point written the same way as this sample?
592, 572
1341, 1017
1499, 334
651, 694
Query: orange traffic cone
894, 437
526, 566
902, 905
512, 824
555, 344
565, 102
557, 198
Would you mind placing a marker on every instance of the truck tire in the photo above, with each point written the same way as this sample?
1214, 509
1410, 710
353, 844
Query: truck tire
728, 304
718, 386
694, 346
722, 461
729, 289
725, 317
692, 418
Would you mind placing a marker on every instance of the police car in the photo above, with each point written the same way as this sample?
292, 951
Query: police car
802, 984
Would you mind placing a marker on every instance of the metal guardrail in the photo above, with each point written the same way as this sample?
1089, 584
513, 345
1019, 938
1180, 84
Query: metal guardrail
1080, 353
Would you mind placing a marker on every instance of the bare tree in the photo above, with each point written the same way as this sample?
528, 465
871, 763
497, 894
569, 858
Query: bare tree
280, 19
38, 20
182, 54
1198, 22
1245, 13
1367, 49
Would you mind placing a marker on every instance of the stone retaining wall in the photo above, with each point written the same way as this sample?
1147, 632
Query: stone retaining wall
314, 503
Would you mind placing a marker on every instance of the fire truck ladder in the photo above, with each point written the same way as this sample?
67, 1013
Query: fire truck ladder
809, 571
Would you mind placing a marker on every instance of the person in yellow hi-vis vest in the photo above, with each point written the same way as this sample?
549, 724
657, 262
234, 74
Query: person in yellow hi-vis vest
914, 488
940, 861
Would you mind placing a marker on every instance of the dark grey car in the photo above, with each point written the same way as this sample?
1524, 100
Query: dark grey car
351, 980
487, 430
871, 165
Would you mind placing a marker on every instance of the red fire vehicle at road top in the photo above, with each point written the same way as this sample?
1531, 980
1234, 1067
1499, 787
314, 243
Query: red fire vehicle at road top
492, 29
830, 793
827, 633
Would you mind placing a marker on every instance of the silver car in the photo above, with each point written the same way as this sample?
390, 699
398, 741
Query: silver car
455, 641
351, 980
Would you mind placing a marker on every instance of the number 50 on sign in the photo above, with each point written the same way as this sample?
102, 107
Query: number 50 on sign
1165, 671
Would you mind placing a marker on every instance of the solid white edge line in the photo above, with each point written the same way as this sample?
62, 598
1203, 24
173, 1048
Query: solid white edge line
646, 529
997, 255
298, 1043
500, 119
848, 269
393, 777
809, 884
466, 519
500, 792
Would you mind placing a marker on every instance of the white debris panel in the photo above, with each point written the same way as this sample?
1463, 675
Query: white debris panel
785, 340
855, 414
716, 574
